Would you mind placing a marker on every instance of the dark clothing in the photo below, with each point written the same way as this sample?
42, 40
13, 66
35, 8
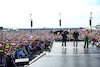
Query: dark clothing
75, 40
75, 36
64, 42
1, 55
64, 38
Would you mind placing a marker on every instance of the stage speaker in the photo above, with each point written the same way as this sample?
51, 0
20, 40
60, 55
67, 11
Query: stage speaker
90, 22
31, 23
59, 22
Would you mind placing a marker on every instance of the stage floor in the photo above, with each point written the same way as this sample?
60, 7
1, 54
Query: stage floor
70, 57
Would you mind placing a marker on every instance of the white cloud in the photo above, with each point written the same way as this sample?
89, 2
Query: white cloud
45, 13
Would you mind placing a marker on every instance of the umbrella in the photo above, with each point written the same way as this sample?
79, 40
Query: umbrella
81, 28
60, 32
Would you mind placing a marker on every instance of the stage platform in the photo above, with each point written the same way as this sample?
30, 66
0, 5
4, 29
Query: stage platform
70, 56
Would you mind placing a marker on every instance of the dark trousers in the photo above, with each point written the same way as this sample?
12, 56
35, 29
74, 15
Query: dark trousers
1, 57
64, 41
75, 40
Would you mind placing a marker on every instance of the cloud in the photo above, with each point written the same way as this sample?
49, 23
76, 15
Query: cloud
45, 13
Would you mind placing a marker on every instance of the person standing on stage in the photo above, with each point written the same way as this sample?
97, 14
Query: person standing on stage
75, 36
86, 38
64, 38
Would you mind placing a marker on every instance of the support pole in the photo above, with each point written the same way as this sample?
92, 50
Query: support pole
31, 22
60, 20
91, 21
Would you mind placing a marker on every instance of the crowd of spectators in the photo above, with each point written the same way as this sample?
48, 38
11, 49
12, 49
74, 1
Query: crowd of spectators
14, 43
22, 43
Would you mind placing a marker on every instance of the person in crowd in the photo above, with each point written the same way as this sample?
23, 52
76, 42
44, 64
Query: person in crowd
1, 53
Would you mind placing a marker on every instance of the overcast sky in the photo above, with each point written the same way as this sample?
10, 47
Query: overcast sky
45, 13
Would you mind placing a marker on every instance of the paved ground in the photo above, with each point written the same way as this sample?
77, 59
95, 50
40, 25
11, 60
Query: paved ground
70, 57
